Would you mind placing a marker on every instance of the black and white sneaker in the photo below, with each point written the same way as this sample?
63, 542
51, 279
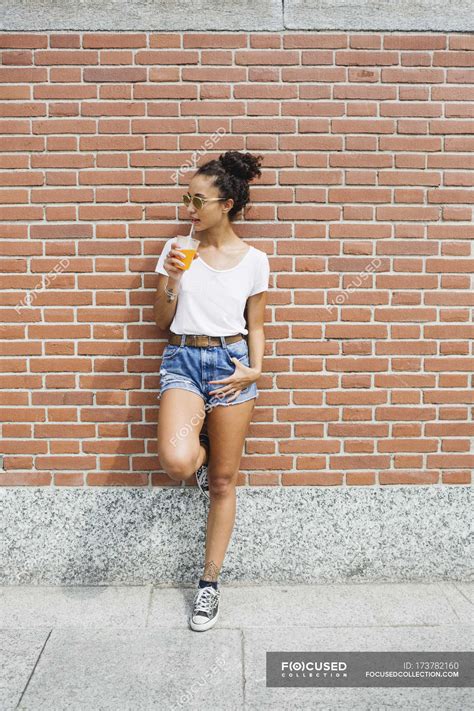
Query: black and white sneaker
205, 608
201, 473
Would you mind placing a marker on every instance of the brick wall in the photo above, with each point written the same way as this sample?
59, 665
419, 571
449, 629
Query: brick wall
364, 209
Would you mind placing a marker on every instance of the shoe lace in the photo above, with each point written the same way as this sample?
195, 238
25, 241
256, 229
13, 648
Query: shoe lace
202, 474
204, 600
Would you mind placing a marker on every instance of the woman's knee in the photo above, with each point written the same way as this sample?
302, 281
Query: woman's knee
222, 483
178, 465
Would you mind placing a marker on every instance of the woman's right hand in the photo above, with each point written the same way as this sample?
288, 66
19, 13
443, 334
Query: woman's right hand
174, 258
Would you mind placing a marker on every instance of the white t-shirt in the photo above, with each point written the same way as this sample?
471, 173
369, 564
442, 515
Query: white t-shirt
212, 301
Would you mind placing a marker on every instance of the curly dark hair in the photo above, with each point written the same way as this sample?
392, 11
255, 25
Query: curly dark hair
232, 172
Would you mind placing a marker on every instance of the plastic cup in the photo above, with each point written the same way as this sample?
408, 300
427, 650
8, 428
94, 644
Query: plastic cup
188, 245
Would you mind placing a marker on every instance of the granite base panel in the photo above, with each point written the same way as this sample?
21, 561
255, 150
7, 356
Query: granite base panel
266, 15
136, 536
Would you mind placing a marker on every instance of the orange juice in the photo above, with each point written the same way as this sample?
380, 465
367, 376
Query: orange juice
188, 258
188, 246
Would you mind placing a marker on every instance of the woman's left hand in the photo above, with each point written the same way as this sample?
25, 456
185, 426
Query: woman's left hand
241, 378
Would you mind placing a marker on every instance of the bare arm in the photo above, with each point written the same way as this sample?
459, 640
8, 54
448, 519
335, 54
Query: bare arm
244, 375
256, 334
164, 307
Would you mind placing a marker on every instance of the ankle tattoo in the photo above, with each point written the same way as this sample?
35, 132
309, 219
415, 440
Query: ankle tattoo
211, 571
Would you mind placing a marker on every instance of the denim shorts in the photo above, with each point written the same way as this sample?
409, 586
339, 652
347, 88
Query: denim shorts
192, 367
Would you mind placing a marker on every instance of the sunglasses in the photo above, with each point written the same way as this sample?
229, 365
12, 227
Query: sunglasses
198, 202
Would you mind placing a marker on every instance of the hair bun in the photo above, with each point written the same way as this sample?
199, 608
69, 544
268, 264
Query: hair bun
242, 165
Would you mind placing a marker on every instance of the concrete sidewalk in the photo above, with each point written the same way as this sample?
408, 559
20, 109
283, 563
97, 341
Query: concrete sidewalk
130, 648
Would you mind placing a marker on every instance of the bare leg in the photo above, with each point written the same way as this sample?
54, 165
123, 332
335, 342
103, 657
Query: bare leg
227, 428
180, 420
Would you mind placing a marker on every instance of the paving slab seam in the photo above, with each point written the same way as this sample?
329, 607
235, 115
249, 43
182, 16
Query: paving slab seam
34, 667
461, 592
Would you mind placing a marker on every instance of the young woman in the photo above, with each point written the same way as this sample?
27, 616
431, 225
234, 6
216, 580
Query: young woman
214, 355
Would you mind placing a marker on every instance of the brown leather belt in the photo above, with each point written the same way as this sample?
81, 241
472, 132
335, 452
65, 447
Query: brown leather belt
202, 341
